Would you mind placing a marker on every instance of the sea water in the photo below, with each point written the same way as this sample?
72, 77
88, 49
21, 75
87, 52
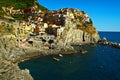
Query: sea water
99, 63
111, 36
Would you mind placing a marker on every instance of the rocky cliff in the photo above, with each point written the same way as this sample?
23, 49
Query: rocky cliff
72, 35
74, 26
10, 71
79, 29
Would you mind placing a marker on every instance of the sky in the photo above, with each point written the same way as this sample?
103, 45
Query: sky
105, 14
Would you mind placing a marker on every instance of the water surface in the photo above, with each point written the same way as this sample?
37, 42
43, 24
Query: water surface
100, 63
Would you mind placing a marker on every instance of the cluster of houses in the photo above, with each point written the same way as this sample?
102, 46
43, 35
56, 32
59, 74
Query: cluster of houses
42, 23
11, 10
57, 17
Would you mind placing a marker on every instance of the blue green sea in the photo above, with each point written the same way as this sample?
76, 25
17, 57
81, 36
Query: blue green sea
99, 63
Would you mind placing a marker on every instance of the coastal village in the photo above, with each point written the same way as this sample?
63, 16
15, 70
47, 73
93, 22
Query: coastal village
31, 32
40, 26
38, 21
43, 31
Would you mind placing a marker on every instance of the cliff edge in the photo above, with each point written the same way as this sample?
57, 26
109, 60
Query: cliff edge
10, 71
79, 28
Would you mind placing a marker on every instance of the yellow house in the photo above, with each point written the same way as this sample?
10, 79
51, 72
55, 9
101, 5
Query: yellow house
28, 28
45, 25
71, 15
81, 13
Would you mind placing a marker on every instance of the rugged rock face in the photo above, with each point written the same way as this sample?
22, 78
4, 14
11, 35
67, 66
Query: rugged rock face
13, 50
80, 37
73, 35
10, 71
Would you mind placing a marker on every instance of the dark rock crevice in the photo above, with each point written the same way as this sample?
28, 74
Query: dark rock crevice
83, 36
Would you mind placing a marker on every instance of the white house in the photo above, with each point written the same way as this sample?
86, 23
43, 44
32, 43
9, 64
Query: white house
60, 30
86, 15
87, 19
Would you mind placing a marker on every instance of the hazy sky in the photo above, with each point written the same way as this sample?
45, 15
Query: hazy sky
105, 14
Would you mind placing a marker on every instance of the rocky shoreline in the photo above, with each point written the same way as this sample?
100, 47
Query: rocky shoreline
11, 71
15, 55
35, 53
108, 43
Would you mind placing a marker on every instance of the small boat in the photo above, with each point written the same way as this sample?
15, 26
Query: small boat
56, 59
83, 51
60, 55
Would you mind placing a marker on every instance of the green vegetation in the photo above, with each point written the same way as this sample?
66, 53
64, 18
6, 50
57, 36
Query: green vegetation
88, 23
80, 18
21, 4
41, 7
78, 26
6, 29
20, 16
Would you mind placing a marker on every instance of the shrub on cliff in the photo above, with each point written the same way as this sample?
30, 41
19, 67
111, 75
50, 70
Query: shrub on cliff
21, 4
20, 16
